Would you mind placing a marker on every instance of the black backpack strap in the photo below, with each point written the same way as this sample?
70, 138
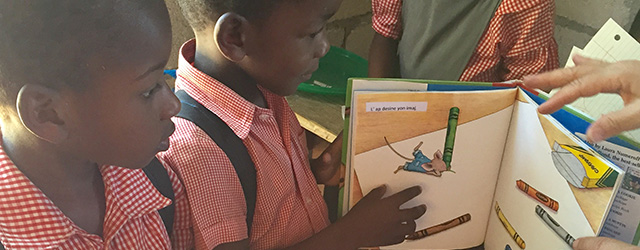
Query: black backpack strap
229, 142
159, 177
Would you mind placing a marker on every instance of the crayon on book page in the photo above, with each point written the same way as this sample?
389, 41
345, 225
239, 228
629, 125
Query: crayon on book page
432, 139
530, 161
611, 44
405, 138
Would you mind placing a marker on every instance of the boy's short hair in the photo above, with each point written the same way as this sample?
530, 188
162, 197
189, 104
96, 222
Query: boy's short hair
204, 13
50, 42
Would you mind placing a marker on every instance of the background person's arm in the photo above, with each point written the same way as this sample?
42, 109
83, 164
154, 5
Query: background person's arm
383, 52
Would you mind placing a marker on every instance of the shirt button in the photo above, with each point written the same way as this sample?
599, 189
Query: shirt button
308, 200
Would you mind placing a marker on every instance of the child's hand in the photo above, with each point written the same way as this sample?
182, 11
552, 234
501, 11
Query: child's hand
325, 168
377, 221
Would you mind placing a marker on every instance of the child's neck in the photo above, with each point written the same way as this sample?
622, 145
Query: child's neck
217, 66
75, 186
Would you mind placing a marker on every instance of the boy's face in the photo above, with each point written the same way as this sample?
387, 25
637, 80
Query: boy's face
283, 50
123, 117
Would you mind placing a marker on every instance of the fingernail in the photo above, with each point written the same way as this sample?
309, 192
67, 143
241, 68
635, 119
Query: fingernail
595, 134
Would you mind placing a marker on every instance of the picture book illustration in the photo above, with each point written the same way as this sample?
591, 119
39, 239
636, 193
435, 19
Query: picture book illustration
512, 232
539, 196
440, 163
503, 155
631, 183
581, 168
554, 225
440, 227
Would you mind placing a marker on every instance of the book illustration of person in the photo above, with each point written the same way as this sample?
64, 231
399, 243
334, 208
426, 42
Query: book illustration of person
421, 163
631, 183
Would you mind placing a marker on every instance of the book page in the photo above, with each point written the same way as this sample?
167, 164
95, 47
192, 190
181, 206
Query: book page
363, 85
535, 178
458, 182
623, 221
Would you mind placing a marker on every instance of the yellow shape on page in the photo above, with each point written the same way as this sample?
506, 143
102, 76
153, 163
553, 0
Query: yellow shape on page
581, 168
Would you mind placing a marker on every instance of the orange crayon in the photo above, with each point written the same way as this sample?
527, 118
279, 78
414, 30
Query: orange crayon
542, 198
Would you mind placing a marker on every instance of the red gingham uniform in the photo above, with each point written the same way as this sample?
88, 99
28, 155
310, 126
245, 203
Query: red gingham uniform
289, 207
517, 42
29, 220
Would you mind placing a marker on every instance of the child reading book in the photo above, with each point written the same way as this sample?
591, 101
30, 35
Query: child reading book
83, 107
246, 57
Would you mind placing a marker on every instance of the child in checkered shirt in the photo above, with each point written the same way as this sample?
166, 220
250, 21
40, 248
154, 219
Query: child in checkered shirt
83, 106
248, 55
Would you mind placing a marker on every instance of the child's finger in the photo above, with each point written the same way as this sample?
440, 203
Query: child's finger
611, 124
411, 214
377, 193
405, 195
408, 228
334, 149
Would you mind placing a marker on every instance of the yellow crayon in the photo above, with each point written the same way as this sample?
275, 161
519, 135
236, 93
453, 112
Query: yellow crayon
514, 235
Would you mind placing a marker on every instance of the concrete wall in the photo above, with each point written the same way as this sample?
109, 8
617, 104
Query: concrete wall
576, 22
350, 28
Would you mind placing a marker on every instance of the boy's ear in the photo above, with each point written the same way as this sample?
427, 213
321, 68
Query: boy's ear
39, 110
229, 35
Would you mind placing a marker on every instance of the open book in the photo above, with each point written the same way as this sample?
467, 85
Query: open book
493, 171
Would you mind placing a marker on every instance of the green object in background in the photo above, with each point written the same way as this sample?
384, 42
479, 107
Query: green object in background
334, 69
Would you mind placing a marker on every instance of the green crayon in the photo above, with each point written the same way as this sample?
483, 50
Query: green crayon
451, 136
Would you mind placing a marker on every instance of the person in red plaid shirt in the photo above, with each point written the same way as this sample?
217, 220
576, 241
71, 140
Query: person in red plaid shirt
465, 40
83, 106
248, 55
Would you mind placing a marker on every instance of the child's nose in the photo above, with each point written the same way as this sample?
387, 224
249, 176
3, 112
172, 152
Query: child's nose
323, 47
172, 105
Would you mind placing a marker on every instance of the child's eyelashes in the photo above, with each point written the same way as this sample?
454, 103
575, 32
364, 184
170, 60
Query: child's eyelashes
150, 92
314, 34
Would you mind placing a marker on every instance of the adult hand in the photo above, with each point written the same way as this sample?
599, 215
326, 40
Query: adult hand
590, 77
601, 243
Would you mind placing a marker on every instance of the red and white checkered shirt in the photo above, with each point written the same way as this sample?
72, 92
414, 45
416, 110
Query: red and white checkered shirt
517, 42
289, 206
30, 220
